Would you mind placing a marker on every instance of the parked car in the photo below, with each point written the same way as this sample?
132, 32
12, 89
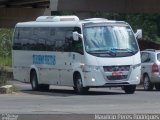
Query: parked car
150, 69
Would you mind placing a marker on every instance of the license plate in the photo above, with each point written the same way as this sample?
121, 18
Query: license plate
117, 73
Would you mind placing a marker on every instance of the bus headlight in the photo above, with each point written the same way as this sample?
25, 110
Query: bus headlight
89, 68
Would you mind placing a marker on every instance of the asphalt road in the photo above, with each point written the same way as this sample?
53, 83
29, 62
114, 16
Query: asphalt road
62, 100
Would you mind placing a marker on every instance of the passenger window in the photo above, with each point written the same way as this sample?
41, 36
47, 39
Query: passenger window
17, 43
24, 36
78, 29
51, 41
60, 39
77, 46
68, 41
145, 57
35, 40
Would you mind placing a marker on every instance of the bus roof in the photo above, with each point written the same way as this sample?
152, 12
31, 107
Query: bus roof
60, 21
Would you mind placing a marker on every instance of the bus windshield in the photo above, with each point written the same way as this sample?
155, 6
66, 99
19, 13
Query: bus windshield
114, 40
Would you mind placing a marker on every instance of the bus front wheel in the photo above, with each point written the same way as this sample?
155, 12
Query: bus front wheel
79, 86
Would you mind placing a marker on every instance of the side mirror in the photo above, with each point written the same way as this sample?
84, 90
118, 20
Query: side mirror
75, 36
138, 34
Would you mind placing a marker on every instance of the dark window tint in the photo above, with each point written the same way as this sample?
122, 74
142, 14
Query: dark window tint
27, 38
77, 29
16, 42
40, 36
59, 39
51, 41
68, 40
46, 38
77, 46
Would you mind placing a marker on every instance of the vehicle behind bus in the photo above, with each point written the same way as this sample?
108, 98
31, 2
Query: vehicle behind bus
83, 54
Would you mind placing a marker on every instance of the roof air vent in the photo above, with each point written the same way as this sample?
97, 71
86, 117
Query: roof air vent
56, 18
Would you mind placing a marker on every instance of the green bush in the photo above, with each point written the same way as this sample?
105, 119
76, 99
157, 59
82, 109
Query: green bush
5, 46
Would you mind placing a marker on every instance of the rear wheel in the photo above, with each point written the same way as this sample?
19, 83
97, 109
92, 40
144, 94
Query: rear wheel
157, 86
79, 86
147, 83
34, 81
129, 89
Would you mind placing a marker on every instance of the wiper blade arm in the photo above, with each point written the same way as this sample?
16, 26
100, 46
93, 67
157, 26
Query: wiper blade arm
109, 52
127, 49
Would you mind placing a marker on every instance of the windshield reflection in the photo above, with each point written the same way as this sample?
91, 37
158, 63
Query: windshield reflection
115, 39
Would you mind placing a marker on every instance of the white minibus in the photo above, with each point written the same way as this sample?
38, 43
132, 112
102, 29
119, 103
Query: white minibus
83, 54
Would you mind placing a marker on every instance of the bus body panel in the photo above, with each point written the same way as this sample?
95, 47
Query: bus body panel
59, 74
100, 75
58, 67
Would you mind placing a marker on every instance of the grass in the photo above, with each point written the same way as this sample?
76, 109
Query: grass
6, 61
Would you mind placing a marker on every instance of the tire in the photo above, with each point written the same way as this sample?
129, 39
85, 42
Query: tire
157, 86
129, 89
148, 86
34, 81
79, 86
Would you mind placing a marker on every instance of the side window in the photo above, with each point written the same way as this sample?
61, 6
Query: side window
23, 39
59, 39
51, 41
28, 38
41, 36
77, 46
47, 38
16, 40
32, 39
152, 57
24, 36
145, 57
78, 29
68, 40
62, 38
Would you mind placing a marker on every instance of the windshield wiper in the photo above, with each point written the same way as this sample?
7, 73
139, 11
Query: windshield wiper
126, 49
109, 52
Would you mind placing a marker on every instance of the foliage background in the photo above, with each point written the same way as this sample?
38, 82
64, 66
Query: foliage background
5, 46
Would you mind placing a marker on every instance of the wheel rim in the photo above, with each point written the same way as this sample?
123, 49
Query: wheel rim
146, 83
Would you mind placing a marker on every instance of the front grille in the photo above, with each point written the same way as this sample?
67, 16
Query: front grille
116, 68
120, 77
